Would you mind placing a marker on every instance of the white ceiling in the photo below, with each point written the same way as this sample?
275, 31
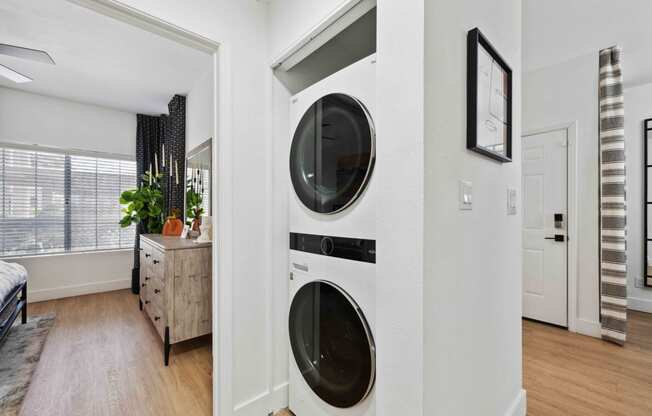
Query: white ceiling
556, 31
99, 60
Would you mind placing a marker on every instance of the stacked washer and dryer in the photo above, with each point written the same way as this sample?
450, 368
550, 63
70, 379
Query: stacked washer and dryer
332, 245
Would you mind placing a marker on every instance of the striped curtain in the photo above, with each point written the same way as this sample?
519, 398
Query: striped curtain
613, 205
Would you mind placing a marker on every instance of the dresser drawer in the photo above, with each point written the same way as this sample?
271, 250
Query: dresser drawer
157, 317
156, 293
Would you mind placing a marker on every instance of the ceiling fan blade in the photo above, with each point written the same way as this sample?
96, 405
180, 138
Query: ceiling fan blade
26, 53
13, 75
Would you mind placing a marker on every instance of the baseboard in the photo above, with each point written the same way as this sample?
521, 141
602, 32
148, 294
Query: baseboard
519, 405
264, 403
639, 304
588, 328
76, 290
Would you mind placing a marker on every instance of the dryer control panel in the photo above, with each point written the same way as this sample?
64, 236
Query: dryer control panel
342, 247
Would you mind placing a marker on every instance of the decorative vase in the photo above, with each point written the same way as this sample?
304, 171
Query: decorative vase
173, 227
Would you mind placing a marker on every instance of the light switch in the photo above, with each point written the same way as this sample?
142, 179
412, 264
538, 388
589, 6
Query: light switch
466, 195
511, 201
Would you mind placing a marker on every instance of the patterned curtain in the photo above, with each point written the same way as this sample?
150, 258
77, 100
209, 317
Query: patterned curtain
164, 136
613, 204
150, 135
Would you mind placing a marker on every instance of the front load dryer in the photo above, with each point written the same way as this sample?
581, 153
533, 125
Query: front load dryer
332, 154
331, 326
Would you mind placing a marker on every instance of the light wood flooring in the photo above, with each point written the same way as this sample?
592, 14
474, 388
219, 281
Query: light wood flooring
103, 357
574, 375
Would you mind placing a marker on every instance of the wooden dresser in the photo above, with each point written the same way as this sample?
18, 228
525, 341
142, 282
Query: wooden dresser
175, 287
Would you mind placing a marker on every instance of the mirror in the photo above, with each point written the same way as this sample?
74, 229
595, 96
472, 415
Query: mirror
198, 179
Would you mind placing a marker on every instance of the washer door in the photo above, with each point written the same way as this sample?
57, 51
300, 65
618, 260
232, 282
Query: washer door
332, 153
332, 344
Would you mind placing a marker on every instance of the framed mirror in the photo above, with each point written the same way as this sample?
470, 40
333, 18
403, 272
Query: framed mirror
489, 100
199, 166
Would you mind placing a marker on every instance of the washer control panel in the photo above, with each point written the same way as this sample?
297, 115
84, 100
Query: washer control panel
342, 247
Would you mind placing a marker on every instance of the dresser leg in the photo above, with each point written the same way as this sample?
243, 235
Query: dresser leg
140, 302
166, 346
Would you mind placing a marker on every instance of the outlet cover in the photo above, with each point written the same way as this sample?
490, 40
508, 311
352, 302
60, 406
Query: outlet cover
511, 201
639, 283
466, 195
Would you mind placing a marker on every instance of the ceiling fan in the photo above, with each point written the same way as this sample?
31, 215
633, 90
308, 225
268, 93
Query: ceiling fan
22, 53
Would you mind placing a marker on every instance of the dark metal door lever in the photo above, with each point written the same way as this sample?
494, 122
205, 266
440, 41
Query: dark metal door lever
558, 237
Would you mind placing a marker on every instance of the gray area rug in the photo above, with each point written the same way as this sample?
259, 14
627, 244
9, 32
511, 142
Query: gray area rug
19, 356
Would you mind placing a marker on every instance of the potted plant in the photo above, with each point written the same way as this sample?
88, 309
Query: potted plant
194, 209
144, 206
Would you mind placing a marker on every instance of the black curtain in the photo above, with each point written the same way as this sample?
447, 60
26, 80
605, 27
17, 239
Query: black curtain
152, 133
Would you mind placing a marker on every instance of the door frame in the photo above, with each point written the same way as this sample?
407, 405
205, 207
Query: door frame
572, 274
221, 180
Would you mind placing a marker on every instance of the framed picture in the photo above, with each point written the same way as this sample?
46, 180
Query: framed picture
488, 100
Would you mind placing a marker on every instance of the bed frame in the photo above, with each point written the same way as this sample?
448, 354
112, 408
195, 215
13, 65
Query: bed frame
20, 295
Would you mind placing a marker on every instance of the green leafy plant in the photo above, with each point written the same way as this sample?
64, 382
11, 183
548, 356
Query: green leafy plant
144, 206
194, 209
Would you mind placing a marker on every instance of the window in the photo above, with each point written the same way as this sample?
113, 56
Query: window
54, 201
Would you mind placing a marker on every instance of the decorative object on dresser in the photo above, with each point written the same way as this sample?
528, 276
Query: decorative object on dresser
173, 226
175, 287
13, 296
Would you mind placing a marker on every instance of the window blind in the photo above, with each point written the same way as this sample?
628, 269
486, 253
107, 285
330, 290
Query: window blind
54, 202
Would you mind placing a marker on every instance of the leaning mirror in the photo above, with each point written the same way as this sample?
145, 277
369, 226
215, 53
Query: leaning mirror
198, 181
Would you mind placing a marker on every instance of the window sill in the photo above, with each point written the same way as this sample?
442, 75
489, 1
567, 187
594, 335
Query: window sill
67, 253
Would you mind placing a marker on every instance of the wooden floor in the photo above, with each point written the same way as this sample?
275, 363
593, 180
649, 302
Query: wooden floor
104, 358
574, 375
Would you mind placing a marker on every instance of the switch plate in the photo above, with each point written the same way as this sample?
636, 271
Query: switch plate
511, 201
466, 195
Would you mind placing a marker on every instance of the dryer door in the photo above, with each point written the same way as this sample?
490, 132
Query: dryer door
332, 153
332, 344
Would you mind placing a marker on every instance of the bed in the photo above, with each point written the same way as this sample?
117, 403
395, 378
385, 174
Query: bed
13, 296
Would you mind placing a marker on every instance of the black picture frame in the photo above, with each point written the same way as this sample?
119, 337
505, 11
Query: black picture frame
476, 40
647, 131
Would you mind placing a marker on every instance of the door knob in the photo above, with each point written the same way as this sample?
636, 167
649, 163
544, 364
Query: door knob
558, 237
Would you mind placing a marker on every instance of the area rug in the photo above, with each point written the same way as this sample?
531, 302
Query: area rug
19, 356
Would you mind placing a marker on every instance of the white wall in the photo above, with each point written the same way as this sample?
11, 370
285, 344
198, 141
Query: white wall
638, 107
472, 262
290, 20
37, 119
49, 121
200, 111
559, 95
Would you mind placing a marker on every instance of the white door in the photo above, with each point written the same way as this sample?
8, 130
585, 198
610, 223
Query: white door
545, 241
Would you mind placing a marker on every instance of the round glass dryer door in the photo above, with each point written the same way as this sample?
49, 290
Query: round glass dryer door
332, 344
332, 154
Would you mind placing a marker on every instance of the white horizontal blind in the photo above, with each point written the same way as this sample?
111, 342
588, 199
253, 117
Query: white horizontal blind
57, 202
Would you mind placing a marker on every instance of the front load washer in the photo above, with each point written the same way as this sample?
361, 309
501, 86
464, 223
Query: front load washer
331, 326
332, 154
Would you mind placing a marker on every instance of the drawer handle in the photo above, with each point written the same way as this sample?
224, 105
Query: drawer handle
146, 302
157, 291
155, 261
156, 318
148, 255
143, 285
146, 278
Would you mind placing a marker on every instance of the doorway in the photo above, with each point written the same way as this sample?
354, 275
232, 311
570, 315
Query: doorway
548, 215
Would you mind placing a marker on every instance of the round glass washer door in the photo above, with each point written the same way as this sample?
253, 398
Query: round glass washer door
332, 344
332, 154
